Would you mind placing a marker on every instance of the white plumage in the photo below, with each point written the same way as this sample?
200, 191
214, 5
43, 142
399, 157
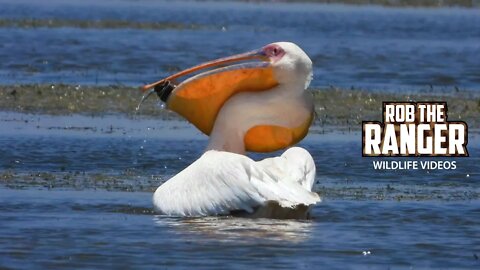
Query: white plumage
220, 183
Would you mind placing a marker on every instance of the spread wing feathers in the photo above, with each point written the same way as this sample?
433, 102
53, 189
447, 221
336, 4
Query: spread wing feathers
220, 182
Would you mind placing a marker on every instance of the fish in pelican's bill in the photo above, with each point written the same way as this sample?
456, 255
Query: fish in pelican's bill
255, 101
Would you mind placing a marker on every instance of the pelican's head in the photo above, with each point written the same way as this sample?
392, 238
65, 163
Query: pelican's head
290, 63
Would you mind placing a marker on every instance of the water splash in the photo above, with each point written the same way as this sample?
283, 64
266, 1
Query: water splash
145, 96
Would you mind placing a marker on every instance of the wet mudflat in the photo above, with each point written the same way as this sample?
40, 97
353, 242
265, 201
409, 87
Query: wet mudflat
336, 108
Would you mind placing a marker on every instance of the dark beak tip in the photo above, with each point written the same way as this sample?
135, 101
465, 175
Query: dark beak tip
164, 90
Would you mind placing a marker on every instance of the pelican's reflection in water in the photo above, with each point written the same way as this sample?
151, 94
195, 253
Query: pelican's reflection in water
240, 229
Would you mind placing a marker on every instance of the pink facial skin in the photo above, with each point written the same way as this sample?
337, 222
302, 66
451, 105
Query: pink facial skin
274, 52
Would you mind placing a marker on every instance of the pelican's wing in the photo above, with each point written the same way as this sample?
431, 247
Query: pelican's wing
221, 182
296, 164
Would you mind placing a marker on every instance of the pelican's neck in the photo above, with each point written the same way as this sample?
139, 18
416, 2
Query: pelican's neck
226, 137
245, 110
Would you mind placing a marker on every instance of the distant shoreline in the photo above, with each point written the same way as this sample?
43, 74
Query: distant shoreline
388, 3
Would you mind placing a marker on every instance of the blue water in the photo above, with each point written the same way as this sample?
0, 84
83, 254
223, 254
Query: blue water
63, 204
80, 230
368, 47
75, 191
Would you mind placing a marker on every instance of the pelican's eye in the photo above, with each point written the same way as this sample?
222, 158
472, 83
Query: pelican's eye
274, 51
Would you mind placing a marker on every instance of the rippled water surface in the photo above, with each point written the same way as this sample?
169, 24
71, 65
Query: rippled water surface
75, 190
64, 204
369, 47
114, 229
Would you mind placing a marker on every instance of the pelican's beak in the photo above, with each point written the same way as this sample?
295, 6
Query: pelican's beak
252, 55
199, 98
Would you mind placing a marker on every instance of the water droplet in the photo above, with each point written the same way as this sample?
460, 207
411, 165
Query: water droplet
468, 175
366, 252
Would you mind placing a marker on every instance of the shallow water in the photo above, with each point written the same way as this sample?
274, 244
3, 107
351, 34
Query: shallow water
59, 229
75, 191
369, 47
63, 205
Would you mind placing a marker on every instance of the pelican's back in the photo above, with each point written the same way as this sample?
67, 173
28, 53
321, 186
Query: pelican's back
223, 183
